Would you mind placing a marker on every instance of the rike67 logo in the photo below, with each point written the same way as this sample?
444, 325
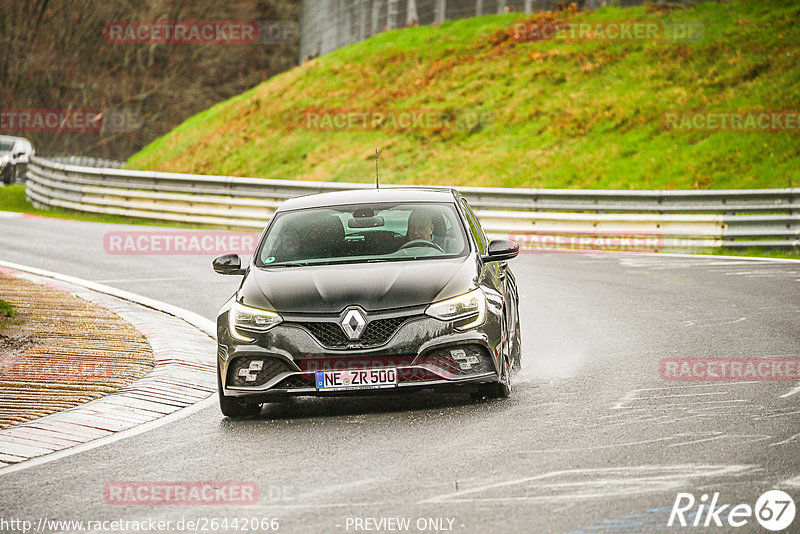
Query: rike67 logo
774, 511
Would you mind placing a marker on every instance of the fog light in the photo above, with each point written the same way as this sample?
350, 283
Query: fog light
256, 365
464, 362
461, 361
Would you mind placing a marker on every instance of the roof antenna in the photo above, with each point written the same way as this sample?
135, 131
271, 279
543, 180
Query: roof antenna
377, 182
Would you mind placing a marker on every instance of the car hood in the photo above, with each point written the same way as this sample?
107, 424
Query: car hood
374, 286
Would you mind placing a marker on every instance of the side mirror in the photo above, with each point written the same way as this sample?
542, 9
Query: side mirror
228, 264
501, 250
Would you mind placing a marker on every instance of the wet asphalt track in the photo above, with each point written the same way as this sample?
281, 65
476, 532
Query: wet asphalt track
592, 440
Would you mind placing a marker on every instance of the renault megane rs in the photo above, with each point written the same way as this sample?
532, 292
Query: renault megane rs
369, 291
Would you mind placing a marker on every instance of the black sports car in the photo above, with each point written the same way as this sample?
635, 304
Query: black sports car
369, 291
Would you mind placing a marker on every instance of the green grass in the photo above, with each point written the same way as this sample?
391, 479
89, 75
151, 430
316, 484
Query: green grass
7, 312
754, 252
555, 114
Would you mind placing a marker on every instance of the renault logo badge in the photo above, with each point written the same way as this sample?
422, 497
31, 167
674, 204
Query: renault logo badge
353, 324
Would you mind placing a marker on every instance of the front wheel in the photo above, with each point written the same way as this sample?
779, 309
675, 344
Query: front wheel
497, 390
516, 350
233, 407
11, 175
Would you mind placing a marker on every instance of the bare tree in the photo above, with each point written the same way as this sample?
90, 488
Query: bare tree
54, 55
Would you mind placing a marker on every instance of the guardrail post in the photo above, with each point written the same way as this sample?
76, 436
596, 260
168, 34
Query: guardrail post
361, 9
412, 17
376, 15
391, 14
440, 11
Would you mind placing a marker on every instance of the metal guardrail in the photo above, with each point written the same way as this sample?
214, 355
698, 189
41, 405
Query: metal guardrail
538, 218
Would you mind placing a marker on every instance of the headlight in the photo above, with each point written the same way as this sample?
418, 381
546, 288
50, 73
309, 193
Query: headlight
4, 160
468, 310
241, 317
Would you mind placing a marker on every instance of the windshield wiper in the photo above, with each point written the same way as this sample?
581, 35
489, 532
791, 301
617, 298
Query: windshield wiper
345, 262
289, 264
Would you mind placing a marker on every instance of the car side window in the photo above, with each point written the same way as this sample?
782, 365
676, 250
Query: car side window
475, 228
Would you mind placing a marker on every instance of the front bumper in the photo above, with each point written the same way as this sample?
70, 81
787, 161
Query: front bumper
427, 353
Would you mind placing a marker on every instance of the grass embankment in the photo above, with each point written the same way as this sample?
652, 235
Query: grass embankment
585, 114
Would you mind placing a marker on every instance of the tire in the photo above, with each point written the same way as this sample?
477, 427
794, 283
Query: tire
233, 407
10, 175
500, 389
516, 347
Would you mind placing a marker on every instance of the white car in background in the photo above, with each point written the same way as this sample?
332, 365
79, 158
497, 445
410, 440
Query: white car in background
15, 153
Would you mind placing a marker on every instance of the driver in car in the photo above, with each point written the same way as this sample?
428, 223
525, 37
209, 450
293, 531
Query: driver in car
420, 226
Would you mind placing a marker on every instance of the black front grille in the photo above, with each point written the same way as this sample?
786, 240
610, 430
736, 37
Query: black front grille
416, 375
376, 333
297, 382
270, 368
340, 363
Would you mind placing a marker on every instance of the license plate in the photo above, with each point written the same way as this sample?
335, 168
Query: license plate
357, 379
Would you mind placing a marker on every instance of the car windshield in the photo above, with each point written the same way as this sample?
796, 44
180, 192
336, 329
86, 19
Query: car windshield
5, 145
363, 233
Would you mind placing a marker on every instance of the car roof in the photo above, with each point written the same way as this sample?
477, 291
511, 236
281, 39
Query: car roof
370, 196
13, 138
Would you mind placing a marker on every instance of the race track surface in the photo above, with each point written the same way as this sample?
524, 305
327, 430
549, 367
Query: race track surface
593, 438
